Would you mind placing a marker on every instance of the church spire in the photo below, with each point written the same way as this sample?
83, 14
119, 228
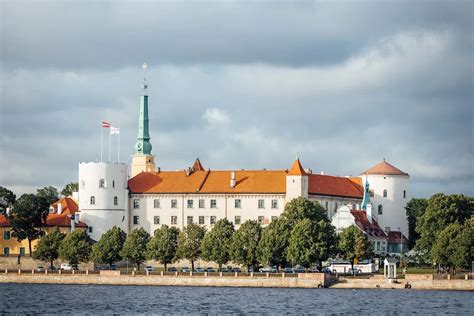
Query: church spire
143, 144
366, 199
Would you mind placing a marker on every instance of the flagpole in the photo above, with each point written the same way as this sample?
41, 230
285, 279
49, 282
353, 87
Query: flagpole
101, 142
118, 151
110, 141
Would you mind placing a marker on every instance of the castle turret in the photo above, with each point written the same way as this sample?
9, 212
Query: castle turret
296, 181
143, 160
390, 187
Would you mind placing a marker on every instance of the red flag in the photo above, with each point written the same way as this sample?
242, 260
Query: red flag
105, 125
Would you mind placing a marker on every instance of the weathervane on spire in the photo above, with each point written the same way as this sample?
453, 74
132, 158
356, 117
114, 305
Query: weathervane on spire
144, 85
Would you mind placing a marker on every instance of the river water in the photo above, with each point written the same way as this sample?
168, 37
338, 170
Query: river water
98, 299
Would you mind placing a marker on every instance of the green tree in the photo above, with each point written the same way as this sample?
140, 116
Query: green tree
302, 208
414, 209
70, 188
47, 248
445, 246
50, 194
216, 243
464, 251
245, 242
164, 245
75, 247
189, 242
107, 249
354, 244
442, 210
274, 243
311, 243
7, 199
134, 247
27, 216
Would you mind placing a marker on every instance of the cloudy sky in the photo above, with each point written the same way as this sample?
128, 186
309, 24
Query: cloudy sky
240, 85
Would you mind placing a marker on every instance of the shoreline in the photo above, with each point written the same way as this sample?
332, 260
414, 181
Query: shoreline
314, 280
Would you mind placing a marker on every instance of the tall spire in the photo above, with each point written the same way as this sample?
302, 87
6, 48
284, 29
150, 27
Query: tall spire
143, 145
366, 199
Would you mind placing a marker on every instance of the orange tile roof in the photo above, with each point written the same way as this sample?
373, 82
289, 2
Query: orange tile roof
384, 168
297, 169
335, 186
69, 205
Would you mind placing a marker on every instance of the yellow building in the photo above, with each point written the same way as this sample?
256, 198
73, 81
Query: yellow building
59, 216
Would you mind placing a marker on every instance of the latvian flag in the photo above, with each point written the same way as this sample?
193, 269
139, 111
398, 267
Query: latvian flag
105, 124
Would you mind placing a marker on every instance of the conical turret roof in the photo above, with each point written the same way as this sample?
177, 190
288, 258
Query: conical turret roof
384, 168
197, 165
297, 169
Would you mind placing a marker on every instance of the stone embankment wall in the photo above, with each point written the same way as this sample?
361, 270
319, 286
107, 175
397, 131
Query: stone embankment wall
416, 281
27, 263
115, 278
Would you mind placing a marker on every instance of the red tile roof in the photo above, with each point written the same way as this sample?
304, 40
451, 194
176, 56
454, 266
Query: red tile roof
297, 169
372, 229
384, 168
335, 186
394, 237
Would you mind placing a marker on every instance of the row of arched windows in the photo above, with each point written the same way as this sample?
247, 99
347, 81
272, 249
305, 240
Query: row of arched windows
404, 193
102, 183
92, 200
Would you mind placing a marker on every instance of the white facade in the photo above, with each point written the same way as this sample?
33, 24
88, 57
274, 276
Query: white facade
389, 207
103, 196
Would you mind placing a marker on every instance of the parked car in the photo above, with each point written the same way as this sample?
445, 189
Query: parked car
288, 270
65, 266
299, 269
40, 269
148, 268
74, 267
313, 270
209, 269
225, 269
185, 269
52, 268
268, 269
236, 269
354, 271
199, 270
172, 269
326, 270
113, 266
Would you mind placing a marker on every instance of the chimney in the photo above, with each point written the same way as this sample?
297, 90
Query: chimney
370, 214
60, 208
232, 179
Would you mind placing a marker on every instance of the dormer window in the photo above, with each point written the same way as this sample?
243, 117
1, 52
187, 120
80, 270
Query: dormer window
101, 183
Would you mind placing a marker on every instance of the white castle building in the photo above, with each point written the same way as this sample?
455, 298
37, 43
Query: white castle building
151, 197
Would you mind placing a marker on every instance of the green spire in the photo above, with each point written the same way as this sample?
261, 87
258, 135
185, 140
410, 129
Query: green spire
143, 145
366, 200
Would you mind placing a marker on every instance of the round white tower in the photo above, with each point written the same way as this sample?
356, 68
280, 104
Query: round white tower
103, 196
390, 187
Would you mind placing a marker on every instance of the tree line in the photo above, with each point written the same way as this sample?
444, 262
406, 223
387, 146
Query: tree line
302, 235
441, 230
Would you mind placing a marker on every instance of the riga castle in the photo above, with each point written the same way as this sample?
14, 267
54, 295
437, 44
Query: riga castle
149, 197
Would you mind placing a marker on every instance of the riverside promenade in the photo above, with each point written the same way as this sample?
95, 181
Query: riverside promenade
264, 280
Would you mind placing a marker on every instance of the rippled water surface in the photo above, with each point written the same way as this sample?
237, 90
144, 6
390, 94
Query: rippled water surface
98, 299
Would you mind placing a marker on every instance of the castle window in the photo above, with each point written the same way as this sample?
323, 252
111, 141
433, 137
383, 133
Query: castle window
274, 203
237, 203
156, 220
380, 209
404, 194
90, 229
101, 183
213, 204
201, 220
335, 207
384, 193
136, 219
113, 183
6, 235
115, 200
213, 220
261, 203
92, 200
136, 203
174, 220
190, 220
201, 203
190, 203
260, 219
326, 206
237, 220
156, 203
174, 203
